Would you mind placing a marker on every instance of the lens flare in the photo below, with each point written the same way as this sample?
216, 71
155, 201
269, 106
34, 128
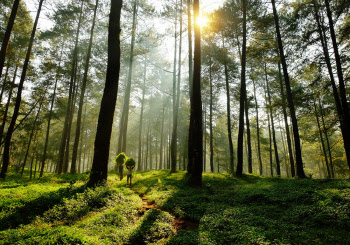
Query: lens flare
202, 21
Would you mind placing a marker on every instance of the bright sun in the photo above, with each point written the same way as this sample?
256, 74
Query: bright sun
202, 21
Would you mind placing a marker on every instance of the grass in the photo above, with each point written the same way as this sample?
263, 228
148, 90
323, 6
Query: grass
248, 210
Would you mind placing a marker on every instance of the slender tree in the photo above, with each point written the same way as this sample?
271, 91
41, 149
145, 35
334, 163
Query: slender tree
278, 167
65, 134
8, 104
258, 130
6, 154
190, 81
173, 144
211, 145
125, 114
228, 109
299, 162
141, 115
285, 117
239, 169
342, 90
7, 36
82, 95
321, 139
43, 161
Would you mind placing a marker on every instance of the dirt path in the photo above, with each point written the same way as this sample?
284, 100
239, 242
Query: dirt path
178, 224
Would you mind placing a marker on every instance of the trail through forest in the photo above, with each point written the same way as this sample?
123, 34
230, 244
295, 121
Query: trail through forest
178, 224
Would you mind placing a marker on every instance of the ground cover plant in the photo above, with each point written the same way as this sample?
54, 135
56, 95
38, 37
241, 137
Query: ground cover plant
58, 209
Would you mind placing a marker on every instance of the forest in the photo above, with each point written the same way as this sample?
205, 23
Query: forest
229, 119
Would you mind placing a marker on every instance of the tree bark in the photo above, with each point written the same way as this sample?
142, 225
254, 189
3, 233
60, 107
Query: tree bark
299, 162
105, 120
7, 36
195, 177
6, 153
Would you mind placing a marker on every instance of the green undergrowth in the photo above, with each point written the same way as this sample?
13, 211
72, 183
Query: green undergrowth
61, 210
253, 210
58, 209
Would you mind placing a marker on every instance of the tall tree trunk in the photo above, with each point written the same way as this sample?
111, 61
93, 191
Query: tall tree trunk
67, 117
322, 142
270, 137
4, 83
285, 116
7, 36
31, 166
105, 120
342, 90
299, 162
321, 31
147, 147
31, 136
70, 121
228, 109
239, 169
195, 178
49, 119
258, 130
156, 152
141, 114
211, 121
7, 105
6, 154
150, 147
82, 95
125, 114
278, 166
205, 139
173, 145
327, 140
161, 161
249, 143
284, 149
190, 81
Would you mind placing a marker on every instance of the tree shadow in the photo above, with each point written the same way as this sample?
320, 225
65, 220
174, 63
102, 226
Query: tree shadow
27, 212
257, 206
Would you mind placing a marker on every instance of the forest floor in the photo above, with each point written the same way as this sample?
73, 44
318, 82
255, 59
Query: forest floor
161, 209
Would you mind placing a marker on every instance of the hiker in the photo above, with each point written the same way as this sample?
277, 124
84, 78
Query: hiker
119, 161
129, 174
121, 170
